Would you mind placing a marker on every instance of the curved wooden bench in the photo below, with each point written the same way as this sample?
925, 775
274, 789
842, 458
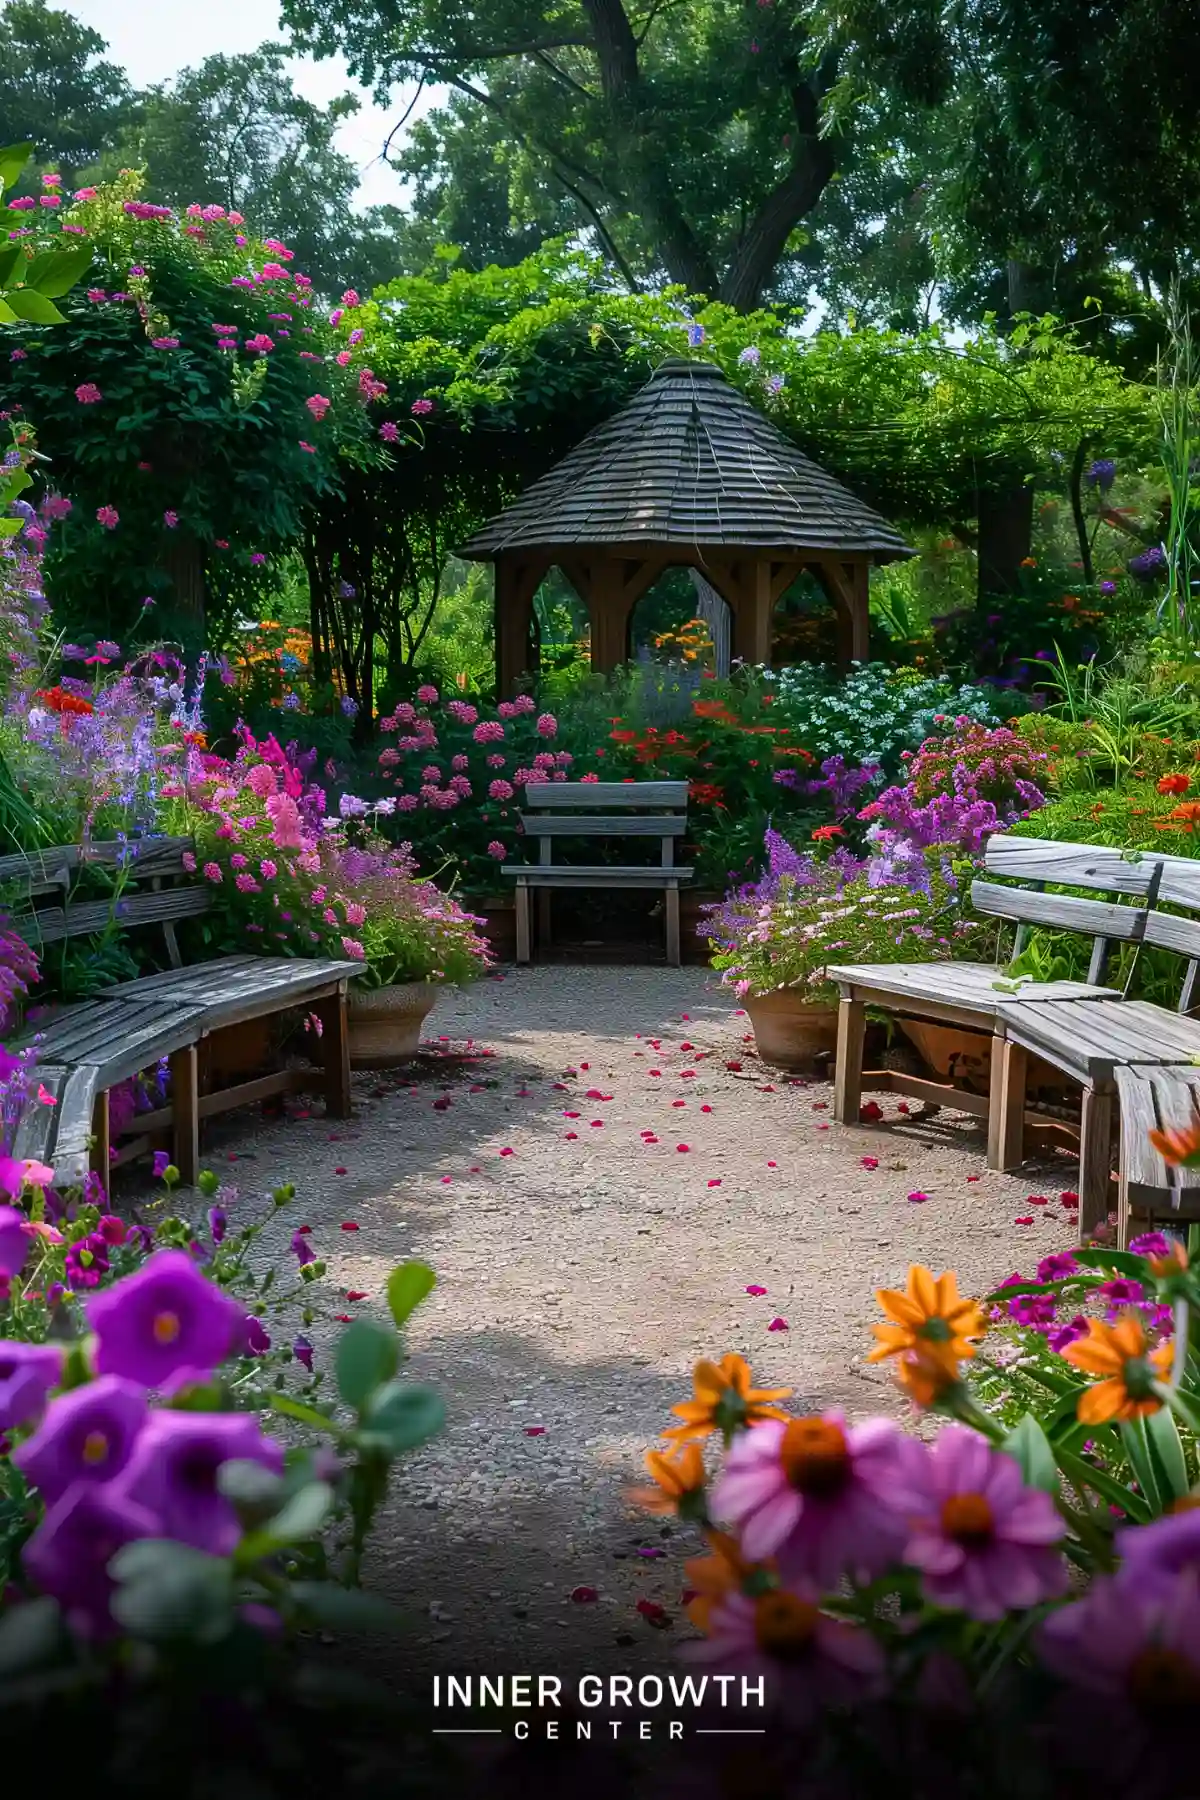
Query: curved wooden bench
85, 1050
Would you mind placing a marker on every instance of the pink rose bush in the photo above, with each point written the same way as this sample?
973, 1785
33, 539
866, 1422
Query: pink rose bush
304, 881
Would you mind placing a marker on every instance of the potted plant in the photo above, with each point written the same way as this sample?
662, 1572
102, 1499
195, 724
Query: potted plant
774, 938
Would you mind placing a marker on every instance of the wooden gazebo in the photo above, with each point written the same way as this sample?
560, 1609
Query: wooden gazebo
689, 474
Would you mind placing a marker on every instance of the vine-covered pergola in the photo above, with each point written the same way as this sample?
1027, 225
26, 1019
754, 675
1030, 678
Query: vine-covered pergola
689, 474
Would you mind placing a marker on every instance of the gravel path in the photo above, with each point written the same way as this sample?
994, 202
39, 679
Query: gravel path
583, 1267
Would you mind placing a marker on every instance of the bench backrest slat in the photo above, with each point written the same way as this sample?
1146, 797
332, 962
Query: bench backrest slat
630, 825
1076, 865
1064, 912
611, 796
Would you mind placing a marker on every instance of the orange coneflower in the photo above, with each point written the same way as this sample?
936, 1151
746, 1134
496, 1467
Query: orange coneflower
926, 1374
724, 1400
1182, 818
724, 1572
681, 1479
929, 1324
1178, 1145
1118, 1352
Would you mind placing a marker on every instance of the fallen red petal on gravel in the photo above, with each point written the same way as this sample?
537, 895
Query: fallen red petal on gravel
870, 1162
339, 1171
756, 1290
918, 1199
778, 1325
682, 1147
716, 1182
535, 1431
349, 1225
356, 1293
1028, 1221
583, 1596
507, 1152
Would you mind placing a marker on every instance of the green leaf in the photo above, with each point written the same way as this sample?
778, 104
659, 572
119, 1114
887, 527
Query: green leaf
344, 1609
1122, 1260
26, 303
13, 158
301, 1519
367, 1356
10, 527
11, 259
1136, 1446
1028, 1444
1166, 1447
248, 1484
30, 1635
407, 1287
1083, 1474
296, 1409
56, 271
7, 315
402, 1416
170, 1591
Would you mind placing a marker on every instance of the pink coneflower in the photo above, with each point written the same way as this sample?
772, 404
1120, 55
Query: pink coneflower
816, 1494
985, 1542
809, 1661
1122, 1635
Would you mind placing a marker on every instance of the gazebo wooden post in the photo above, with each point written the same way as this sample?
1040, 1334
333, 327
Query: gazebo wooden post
848, 586
753, 608
517, 581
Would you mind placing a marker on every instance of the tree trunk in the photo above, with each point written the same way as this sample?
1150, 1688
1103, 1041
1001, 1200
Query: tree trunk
1005, 518
713, 608
793, 198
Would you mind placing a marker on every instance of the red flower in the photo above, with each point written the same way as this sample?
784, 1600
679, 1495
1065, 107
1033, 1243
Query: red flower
824, 834
1174, 784
59, 701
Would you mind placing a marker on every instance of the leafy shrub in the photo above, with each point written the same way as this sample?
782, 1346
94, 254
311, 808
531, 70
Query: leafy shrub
872, 714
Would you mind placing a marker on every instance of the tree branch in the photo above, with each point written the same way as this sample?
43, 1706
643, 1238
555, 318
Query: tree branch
603, 233
791, 200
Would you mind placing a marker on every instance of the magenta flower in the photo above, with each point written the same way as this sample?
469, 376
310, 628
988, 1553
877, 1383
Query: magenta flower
170, 520
14, 1240
427, 695
173, 1474
318, 405
983, 1541
260, 344
421, 406
353, 949
1154, 1556
302, 1350
500, 789
547, 725
86, 1435
389, 431
302, 1249
87, 393
497, 849
165, 1321
165, 343
816, 1494
27, 1373
108, 516
69, 1554
809, 1661
1058, 1266
1109, 1641
488, 731
212, 872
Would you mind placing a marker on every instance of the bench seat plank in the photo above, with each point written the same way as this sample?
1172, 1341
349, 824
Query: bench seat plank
583, 875
604, 825
1093, 1041
966, 985
609, 795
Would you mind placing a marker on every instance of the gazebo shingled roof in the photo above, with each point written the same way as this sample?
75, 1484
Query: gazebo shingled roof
689, 472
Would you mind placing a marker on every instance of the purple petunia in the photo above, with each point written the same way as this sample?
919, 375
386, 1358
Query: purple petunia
27, 1373
69, 1554
164, 1322
173, 1474
87, 1435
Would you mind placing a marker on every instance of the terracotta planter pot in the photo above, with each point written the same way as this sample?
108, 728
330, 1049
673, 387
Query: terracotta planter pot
385, 1023
789, 1032
966, 1057
952, 1052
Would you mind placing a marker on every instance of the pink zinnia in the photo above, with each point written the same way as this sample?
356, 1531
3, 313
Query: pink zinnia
353, 949
422, 406
237, 860
268, 869
260, 343
108, 516
808, 1660
427, 695
246, 884
170, 520
489, 731
318, 405
189, 862
212, 872
87, 393
497, 849
389, 432
500, 789
817, 1494
285, 821
984, 1542
547, 725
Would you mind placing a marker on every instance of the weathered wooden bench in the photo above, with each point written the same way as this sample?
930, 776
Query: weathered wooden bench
1094, 1048
85, 1050
593, 809
1151, 1191
972, 994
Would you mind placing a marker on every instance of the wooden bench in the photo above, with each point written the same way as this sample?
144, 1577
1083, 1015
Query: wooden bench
1150, 1191
972, 994
83, 1051
574, 809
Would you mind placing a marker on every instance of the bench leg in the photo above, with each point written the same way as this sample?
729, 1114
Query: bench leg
335, 1054
847, 1077
101, 1142
185, 1108
1006, 1106
523, 945
1095, 1160
674, 952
